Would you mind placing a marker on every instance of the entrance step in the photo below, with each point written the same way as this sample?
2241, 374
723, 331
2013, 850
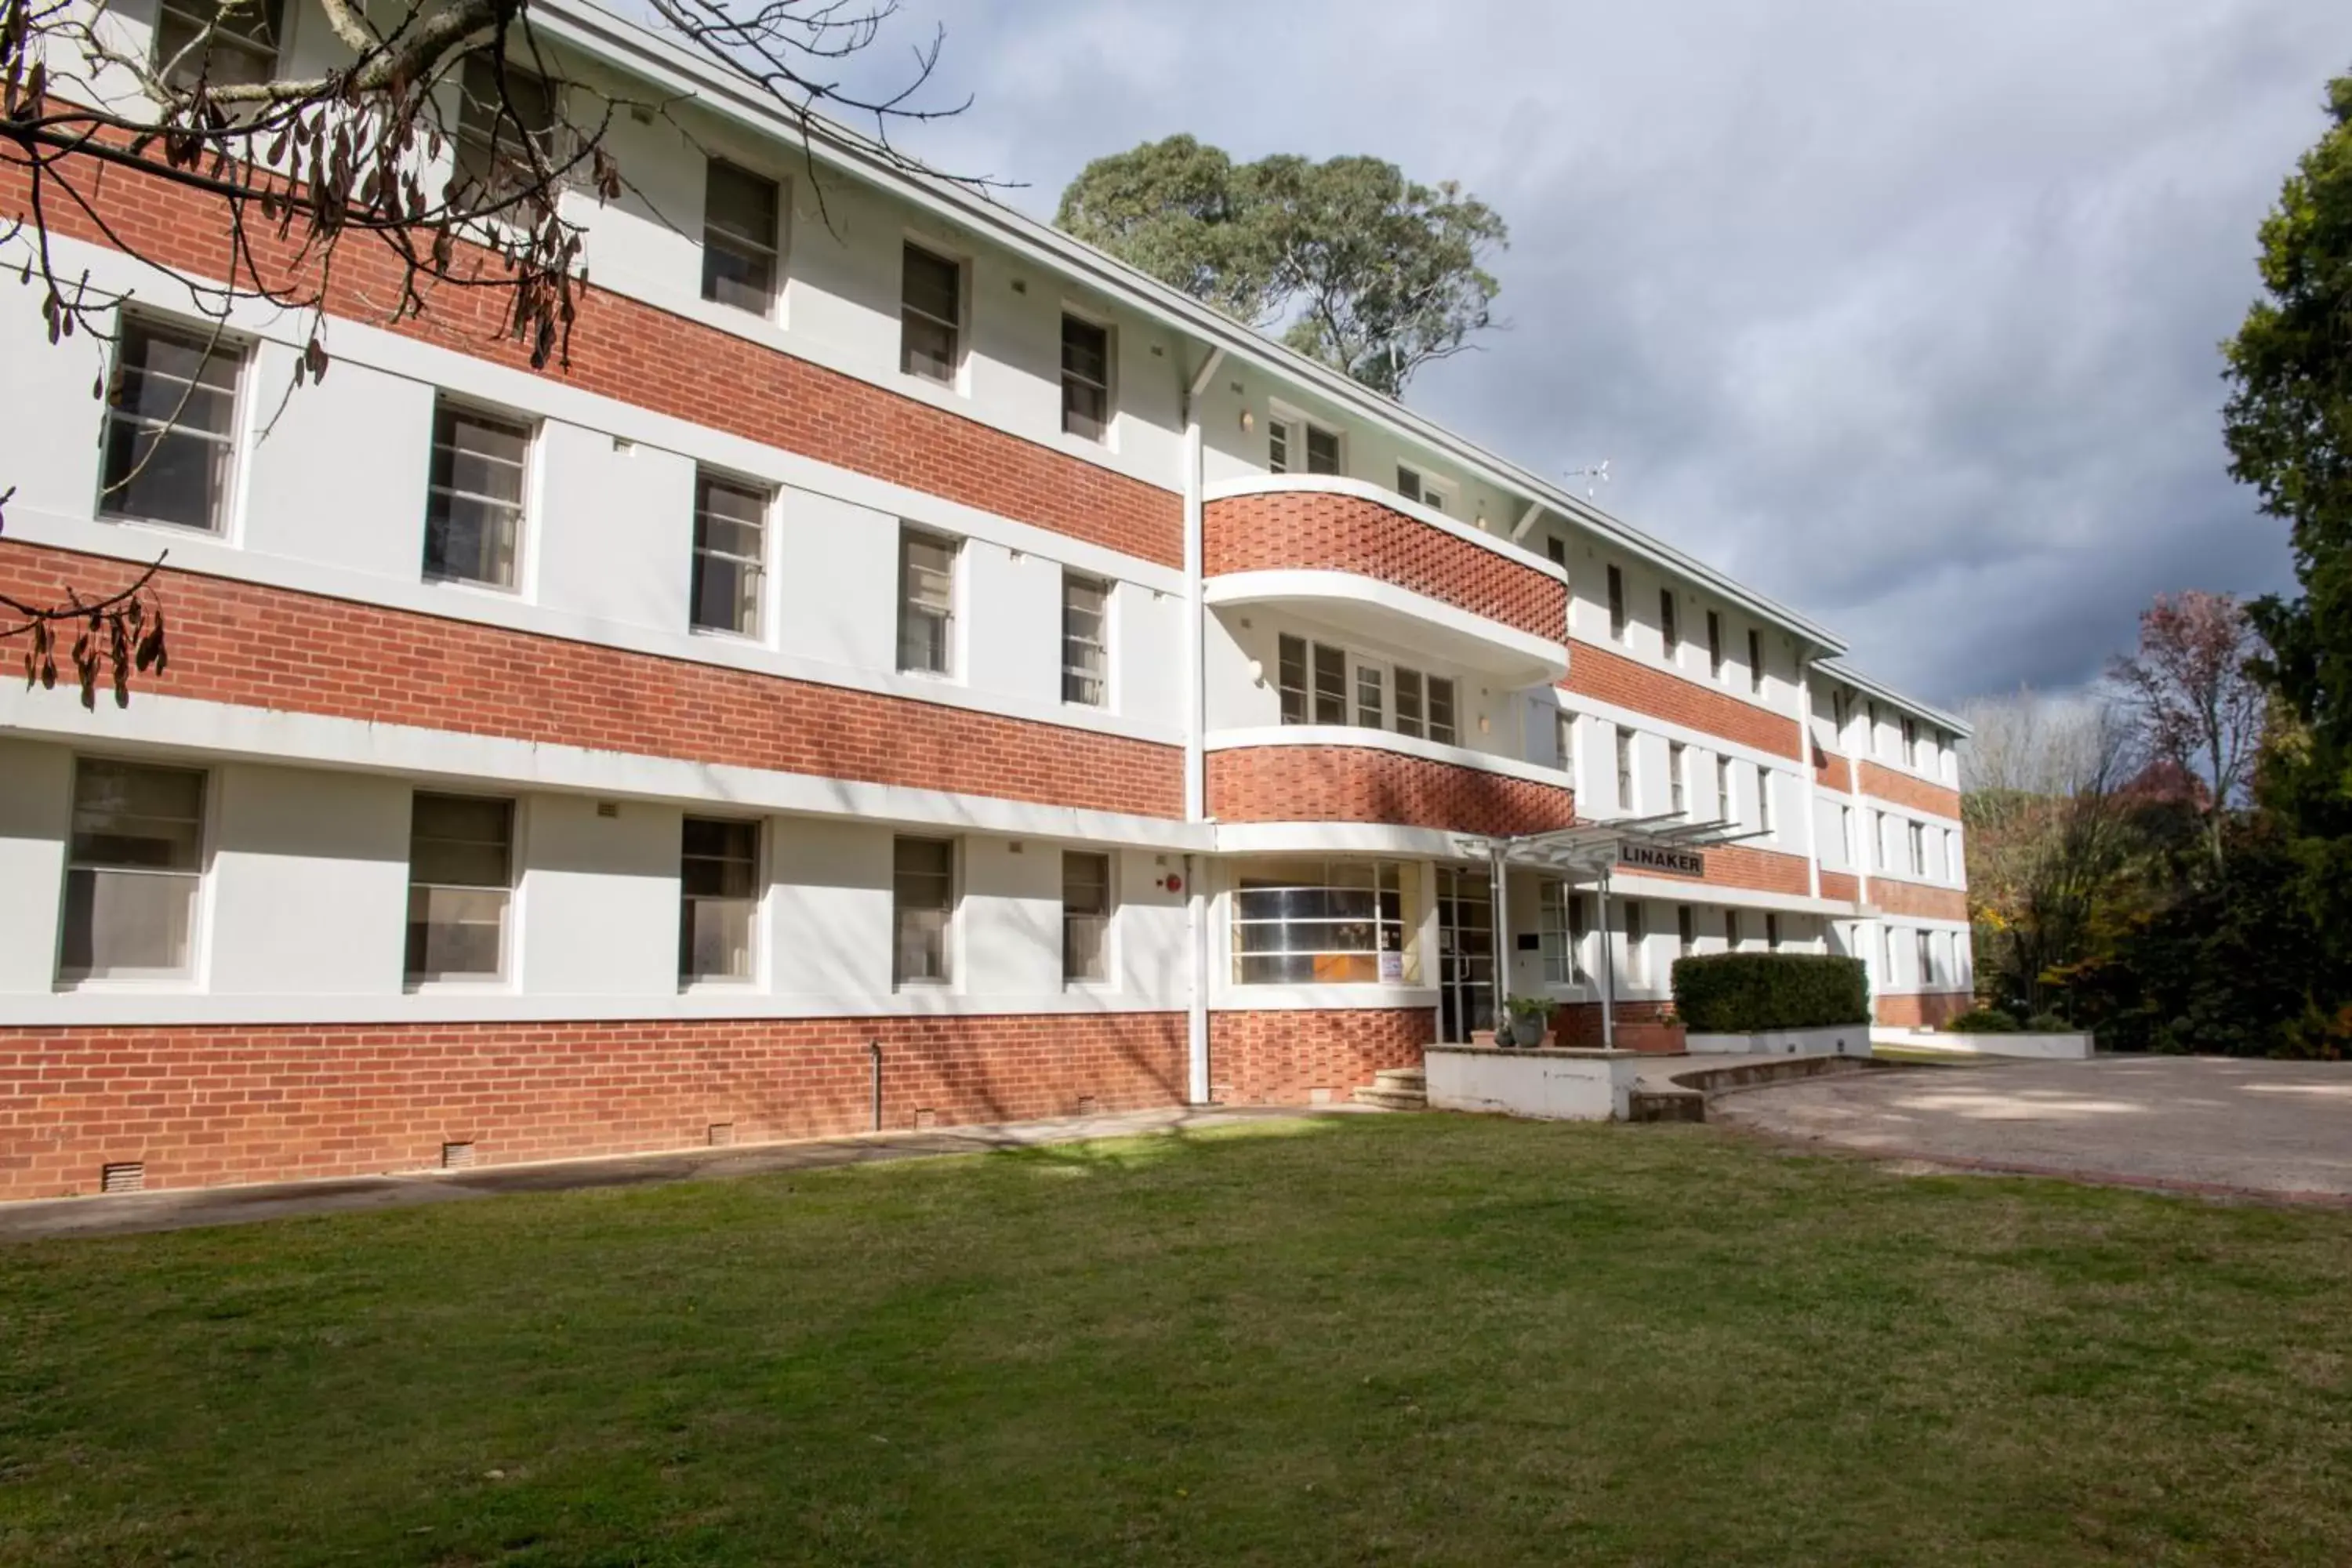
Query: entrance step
1395, 1088
1413, 1079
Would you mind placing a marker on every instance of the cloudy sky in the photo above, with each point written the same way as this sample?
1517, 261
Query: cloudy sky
1904, 310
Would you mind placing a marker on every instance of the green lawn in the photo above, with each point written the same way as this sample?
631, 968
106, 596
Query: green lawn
1401, 1339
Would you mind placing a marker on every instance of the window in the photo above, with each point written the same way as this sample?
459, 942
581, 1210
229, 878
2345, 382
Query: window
927, 565
1731, 931
1879, 822
474, 499
1637, 934
1370, 710
1563, 729
1290, 677
1289, 441
1841, 711
241, 52
1870, 742
739, 237
922, 903
1625, 770
132, 867
1616, 605
1313, 683
502, 136
1407, 483
1322, 450
170, 427
1726, 807
1772, 930
1918, 859
1667, 626
1686, 928
1714, 646
1677, 756
719, 888
930, 315
1085, 640
1086, 918
461, 883
730, 533
1556, 549
1441, 710
1845, 834
1559, 924
1926, 960
1338, 922
1764, 800
1278, 447
1086, 378
1407, 703
1755, 662
1910, 741
1331, 685
1955, 868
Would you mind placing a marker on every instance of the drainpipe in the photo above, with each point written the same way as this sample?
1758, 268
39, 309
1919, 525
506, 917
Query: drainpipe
1498, 896
1196, 804
873, 1051
1196, 1012
1608, 972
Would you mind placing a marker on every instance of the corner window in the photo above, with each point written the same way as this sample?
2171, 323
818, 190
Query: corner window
501, 137
1086, 378
922, 905
1714, 644
927, 575
1085, 642
170, 427
474, 500
242, 50
1338, 922
719, 894
133, 864
1086, 918
739, 237
1560, 924
1616, 605
1667, 626
1756, 661
730, 552
460, 885
930, 315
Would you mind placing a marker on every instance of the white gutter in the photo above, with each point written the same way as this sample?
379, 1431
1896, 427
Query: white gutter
1960, 727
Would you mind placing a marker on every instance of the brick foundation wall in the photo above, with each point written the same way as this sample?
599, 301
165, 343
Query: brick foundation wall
1362, 784
1917, 900
1640, 1026
1612, 676
1317, 530
270, 648
647, 357
1922, 1010
208, 1106
1282, 1057
1882, 783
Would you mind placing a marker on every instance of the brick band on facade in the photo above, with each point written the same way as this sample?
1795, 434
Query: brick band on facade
210, 1106
1610, 677
271, 648
1917, 900
1882, 783
1741, 866
1840, 884
1922, 1009
1318, 530
1281, 1057
1362, 784
644, 356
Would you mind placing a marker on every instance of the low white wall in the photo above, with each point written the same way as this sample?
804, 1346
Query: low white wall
1842, 1040
2037, 1047
1553, 1086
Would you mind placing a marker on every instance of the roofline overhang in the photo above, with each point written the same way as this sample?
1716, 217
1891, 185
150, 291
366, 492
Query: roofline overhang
1837, 671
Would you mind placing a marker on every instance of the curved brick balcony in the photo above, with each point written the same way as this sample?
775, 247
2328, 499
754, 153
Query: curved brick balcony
1333, 775
1347, 551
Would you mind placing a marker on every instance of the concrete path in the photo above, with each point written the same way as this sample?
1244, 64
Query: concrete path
2208, 1124
130, 1213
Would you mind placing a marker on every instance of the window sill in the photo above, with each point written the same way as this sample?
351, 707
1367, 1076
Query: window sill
473, 586
166, 985
455, 984
165, 526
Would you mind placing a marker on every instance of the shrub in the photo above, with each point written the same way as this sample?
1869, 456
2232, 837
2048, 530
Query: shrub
1747, 992
1982, 1021
2048, 1024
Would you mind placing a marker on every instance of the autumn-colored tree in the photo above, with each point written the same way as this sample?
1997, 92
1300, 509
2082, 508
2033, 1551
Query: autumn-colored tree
2193, 697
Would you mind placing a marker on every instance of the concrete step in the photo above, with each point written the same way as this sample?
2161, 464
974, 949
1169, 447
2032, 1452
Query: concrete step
1392, 1098
1665, 1105
1400, 1077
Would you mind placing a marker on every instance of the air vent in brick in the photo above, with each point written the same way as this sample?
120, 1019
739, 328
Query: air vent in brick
130, 1176
456, 1156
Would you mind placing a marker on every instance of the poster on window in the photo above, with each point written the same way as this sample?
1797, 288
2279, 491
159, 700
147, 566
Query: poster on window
1393, 966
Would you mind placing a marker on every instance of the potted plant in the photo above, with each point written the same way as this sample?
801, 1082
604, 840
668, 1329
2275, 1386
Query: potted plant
1529, 1017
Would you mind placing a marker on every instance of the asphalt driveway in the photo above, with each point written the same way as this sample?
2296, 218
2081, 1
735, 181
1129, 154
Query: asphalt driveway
2193, 1123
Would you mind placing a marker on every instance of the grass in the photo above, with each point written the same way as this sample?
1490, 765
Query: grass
1408, 1339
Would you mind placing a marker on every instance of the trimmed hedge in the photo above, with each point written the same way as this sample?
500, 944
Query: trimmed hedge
1981, 1021
1748, 992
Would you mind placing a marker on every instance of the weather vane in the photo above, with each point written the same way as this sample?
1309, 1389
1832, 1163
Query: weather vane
1591, 474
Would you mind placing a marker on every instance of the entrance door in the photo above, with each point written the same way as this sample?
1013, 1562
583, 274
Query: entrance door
1466, 954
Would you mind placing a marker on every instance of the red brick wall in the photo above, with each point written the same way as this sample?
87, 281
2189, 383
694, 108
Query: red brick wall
1923, 1010
1832, 770
1316, 530
207, 1106
648, 358
1639, 1027
1596, 671
1839, 885
1907, 789
1359, 784
1916, 900
1284, 1058
1741, 866
237, 642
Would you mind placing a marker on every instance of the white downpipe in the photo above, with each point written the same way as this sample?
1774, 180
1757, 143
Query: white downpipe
1608, 972
1196, 792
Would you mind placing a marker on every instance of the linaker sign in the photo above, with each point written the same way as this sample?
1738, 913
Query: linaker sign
1657, 857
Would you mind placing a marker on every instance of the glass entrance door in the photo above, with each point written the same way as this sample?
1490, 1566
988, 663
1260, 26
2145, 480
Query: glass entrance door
1466, 954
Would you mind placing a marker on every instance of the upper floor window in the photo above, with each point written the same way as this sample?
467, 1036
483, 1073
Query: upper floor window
1556, 551
1637, 938
1085, 644
1086, 918
1841, 711
1772, 930
1564, 735
927, 578
1731, 935
1764, 801
922, 904
474, 500
730, 552
501, 134
1411, 711
1871, 744
740, 213
1624, 770
1926, 960
133, 866
1955, 868
1845, 834
1668, 626
1086, 378
1371, 708
1911, 741
1918, 835
170, 427
1677, 757
930, 315
1724, 807
1299, 445
1413, 487
718, 895
242, 50
1559, 926
1311, 679
1686, 930
1616, 604
1714, 644
1755, 662
460, 884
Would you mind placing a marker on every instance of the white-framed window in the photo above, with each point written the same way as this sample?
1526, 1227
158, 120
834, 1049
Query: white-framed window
1441, 710
927, 602
1956, 869
1625, 770
743, 237
931, 314
1325, 923
1686, 930
719, 898
1910, 741
1755, 662
1715, 645
498, 135
1556, 551
135, 866
1411, 711
1300, 446
1845, 834
1880, 823
1559, 928
1841, 711
1563, 739
1637, 942
1677, 776
1764, 818
922, 911
1085, 640
1726, 808
241, 52
1926, 960
1415, 485
1086, 378
1086, 918
1771, 930
1669, 626
1310, 681
1371, 690
728, 583
1871, 745
474, 499
1731, 931
460, 887
171, 426
1919, 835
1321, 683
1616, 605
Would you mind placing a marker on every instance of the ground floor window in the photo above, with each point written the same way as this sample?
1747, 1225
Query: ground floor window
131, 870
1559, 926
1325, 923
461, 883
